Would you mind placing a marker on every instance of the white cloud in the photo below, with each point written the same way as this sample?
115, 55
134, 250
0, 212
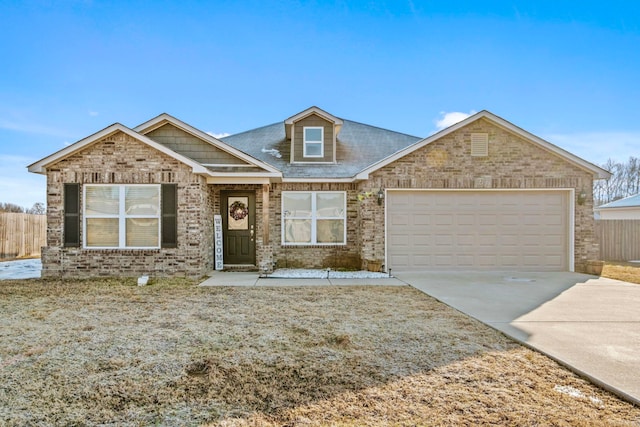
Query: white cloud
94, 113
218, 135
18, 186
451, 118
598, 147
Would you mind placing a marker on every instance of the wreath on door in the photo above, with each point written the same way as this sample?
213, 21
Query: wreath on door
238, 211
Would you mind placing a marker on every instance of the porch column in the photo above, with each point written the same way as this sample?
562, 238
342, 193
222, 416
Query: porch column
265, 214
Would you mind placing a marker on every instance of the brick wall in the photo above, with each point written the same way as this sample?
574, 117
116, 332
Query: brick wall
120, 159
512, 162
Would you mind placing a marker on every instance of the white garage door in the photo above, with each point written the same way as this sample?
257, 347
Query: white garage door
478, 230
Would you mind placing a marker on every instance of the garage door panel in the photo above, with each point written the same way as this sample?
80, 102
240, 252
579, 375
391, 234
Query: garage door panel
442, 219
443, 260
509, 219
399, 219
510, 260
478, 230
487, 242
485, 260
444, 241
421, 219
552, 220
509, 239
487, 219
465, 219
465, 240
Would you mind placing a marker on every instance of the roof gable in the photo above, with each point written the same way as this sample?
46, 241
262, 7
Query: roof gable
193, 147
41, 165
313, 110
498, 121
247, 170
163, 119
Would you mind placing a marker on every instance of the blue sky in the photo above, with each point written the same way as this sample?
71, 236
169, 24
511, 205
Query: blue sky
567, 71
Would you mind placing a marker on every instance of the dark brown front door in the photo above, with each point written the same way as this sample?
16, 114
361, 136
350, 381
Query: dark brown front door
238, 227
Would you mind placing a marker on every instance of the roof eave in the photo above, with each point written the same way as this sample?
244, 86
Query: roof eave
40, 165
315, 180
314, 110
616, 208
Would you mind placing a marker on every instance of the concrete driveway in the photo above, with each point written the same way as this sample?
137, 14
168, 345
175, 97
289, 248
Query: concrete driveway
589, 324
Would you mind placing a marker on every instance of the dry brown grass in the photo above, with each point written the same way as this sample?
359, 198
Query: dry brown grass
111, 353
625, 271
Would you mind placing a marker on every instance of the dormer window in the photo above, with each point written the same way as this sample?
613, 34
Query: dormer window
314, 136
313, 141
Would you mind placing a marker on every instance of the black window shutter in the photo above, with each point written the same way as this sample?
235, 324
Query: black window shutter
71, 215
169, 203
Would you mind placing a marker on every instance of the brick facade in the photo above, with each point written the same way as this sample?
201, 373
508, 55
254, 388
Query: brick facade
446, 163
512, 163
121, 159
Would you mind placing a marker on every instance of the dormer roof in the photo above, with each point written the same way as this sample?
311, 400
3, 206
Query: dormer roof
338, 122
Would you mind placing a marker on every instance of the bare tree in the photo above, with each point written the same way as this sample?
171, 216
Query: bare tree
37, 209
10, 207
624, 181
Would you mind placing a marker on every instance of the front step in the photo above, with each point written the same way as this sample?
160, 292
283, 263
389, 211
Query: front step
240, 268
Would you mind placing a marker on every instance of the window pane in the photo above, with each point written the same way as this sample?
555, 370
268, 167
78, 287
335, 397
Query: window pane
102, 232
330, 231
296, 204
142, 232
313, 134
297, 231
330, 205
142, 200
313, 149
102, 200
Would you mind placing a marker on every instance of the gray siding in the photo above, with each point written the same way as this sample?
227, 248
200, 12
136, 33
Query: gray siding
188, 145
298, 139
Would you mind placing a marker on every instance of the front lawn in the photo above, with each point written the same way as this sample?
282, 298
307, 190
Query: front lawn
108, 352
625, 271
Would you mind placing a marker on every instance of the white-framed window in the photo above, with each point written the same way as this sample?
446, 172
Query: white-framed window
124, 216
313, 141
314, 218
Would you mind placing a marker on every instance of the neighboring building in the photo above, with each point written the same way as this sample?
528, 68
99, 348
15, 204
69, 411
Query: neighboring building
627, 208
316, 191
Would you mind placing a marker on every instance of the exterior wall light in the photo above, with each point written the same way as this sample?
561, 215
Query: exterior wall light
380, 196
582, 197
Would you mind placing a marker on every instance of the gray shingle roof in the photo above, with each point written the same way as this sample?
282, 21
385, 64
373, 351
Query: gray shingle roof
358, 147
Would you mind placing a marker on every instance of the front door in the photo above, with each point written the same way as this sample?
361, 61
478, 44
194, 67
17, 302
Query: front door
238, 227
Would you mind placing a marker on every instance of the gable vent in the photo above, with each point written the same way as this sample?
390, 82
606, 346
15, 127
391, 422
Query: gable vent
479, 144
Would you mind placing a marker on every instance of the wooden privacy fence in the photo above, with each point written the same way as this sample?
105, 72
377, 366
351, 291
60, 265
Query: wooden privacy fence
22, 235
619, 239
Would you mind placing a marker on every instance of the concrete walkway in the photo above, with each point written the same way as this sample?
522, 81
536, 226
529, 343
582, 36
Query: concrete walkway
587, 323
222, 278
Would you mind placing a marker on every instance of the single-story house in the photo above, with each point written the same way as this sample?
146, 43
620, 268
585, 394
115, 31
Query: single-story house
627, 208
316, 191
